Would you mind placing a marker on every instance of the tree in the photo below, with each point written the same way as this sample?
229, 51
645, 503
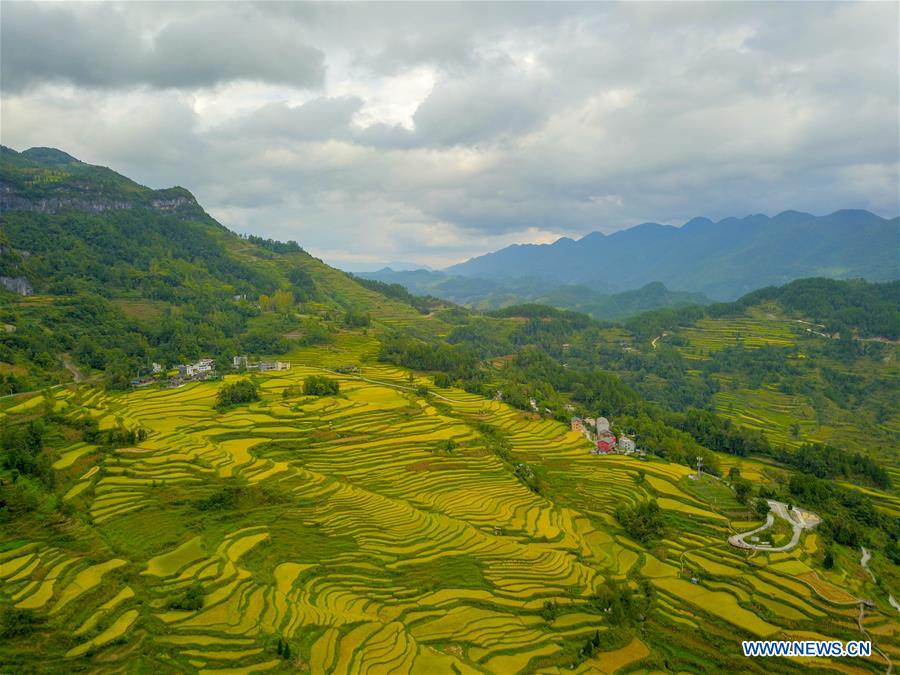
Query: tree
319, 385
283, 301
761, 507
742, 490
734, 473
242, 391
643, 522
191, 600
828, 561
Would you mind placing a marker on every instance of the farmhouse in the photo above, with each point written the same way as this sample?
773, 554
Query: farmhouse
626, 445
273, 365
577, 425
242, 362
606, 442
602, 424
197, 371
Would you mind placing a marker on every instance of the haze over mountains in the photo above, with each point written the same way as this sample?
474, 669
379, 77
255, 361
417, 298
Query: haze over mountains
722, 260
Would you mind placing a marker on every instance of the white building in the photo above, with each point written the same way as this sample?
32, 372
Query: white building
626, 445
602, 424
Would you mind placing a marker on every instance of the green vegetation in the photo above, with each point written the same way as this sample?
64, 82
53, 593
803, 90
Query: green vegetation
438, 515
242, 391
319, 385
190, 600
642, 522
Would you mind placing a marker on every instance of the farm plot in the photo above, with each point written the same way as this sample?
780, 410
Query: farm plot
371, 531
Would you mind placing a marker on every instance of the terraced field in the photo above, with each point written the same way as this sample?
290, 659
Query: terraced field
375, 532
709, 335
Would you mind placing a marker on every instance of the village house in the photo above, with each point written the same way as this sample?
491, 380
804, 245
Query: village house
156, 367
606, 442
577, 425
197, 371
274, 365
602, 424
242, 362
626, 445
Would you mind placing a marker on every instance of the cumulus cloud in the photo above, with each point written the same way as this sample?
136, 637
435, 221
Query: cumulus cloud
432, 132
112, 46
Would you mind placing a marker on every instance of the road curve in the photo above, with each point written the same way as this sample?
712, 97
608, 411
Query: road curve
798, 518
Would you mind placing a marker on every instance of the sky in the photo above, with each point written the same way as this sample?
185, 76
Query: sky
429, 132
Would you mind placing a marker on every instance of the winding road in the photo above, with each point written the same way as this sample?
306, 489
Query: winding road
798, 518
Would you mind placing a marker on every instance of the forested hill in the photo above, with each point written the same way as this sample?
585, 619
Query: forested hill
850, 309
118, 275
723, 260
490, 294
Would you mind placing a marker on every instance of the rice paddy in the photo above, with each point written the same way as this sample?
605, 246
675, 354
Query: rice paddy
368, 542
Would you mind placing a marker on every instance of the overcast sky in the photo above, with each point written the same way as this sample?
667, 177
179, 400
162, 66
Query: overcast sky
429, 133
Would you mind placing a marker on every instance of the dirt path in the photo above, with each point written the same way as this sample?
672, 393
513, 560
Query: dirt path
657, 339
69, 365
864, 562
799, 520
862, 629
34, 391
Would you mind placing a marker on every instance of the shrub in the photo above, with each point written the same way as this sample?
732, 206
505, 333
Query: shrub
242, 391
319, 385
191, 600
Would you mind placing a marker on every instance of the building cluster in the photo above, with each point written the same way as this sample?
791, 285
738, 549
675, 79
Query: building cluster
204, 369
598, 432
196, 371
243, 363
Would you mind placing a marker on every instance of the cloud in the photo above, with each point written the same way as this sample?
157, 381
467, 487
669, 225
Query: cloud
111, 46
433, 132
318, 119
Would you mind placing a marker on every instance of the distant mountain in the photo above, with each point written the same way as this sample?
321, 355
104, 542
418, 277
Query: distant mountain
486, 294
722, 259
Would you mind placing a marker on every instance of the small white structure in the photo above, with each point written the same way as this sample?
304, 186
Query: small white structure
201, 367
626, 445
533, 403
602, 424
273, 365
156, 367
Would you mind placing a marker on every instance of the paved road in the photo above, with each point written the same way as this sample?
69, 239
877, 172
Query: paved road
798, 518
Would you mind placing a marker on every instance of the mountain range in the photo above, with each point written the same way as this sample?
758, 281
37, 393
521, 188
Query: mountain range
722, 260
489, 294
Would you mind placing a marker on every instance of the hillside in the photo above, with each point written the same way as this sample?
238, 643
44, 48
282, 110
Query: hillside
120, 276
723, 260
485, 294
408, 491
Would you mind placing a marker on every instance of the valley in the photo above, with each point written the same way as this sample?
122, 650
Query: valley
220, 454
378, 531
